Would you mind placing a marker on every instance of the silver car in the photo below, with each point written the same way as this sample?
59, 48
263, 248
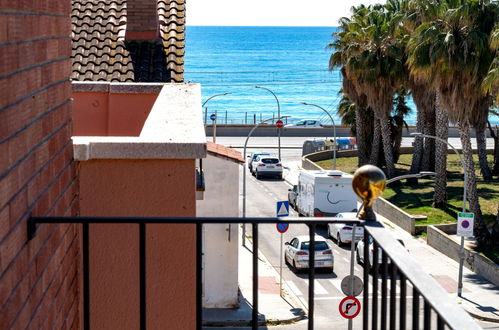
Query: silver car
359, 252
267, 166
341, 232
297, 253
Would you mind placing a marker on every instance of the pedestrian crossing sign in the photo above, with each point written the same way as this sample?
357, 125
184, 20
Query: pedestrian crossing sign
282, 208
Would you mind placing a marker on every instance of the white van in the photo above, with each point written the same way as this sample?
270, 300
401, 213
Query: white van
325, 193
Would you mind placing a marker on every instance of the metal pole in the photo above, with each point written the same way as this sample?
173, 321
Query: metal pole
244, 170
461, 250
278, 116
280, 268
352, 260
334, 129
205, 115
225, 117
215, 128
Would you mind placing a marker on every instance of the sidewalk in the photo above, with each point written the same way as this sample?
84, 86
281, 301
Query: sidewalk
273, 309
480, 298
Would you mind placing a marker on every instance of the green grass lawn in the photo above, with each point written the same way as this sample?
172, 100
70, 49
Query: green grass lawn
417, 200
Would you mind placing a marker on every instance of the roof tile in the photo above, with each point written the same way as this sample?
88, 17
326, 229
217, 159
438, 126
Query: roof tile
221, 150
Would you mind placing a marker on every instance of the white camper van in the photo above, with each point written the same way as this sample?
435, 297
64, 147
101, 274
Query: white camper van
325, 193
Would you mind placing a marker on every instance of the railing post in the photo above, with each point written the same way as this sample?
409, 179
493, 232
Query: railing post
375, 285
199, 276
311, 275
254, 322
365, 311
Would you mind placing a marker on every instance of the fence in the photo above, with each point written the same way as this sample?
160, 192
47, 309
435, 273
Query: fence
382, 313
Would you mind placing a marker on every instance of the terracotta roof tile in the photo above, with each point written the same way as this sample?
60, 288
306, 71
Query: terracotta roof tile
99, 51
220, 150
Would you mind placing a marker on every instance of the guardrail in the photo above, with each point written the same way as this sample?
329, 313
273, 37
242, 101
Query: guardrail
404, 269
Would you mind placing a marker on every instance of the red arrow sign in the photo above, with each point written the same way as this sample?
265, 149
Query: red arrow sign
279, 124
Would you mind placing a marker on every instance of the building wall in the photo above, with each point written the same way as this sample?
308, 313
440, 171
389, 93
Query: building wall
221, 198
143, 188
38, 278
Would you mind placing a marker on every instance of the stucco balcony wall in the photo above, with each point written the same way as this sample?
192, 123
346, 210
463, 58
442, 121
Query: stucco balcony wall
149, 171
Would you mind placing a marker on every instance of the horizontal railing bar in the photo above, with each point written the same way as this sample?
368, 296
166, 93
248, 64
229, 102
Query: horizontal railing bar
204, 220
427, 286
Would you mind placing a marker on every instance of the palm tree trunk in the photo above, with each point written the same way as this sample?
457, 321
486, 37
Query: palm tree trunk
376, 143
386, 135
495, 136
464, 132
429, 144
441, 131
417, 153
481, 143
362, 132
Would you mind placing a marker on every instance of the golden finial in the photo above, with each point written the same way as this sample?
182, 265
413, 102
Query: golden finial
368, 183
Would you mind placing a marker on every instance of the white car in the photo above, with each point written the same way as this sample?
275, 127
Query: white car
297, 253
341, 232
267, 166
253, 156
305, 123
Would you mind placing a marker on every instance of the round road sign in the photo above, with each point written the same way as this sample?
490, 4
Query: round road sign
465, 224
282, 227
346, 285
349, 307
213, 116
279, 124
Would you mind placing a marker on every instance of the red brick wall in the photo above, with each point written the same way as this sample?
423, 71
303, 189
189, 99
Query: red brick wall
142, 19
38, 278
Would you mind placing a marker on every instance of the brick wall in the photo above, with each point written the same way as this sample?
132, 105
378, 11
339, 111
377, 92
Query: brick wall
141, 16
38, 278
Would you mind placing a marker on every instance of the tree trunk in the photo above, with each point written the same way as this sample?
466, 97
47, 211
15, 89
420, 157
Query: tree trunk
376, 143
495, 136
386, 135
417, 153
441, 131
481, 232
429, 144
481, 142
361, 124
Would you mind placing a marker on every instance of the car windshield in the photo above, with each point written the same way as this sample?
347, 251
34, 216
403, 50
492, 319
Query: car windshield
270, 160
319, 246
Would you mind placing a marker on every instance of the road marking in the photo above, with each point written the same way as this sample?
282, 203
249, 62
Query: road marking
336, 284
318, 289
292, 286
346, 260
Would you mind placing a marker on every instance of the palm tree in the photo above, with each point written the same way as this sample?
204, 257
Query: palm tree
374, 62
451, 52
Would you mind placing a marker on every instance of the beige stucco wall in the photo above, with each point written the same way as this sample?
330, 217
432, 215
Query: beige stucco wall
221, 198
143, 188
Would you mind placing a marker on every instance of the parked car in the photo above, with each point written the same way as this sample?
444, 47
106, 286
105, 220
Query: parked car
297, 253
359, 251
292, 193
252, 158
305, 123
341, 232
267, 166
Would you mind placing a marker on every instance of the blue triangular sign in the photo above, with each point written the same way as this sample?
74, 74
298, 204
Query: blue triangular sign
283, 209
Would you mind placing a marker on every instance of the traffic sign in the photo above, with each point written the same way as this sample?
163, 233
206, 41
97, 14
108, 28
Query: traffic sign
282, 209
279, 124
213, 116
465, 221
282, 227
349, 307
346, 285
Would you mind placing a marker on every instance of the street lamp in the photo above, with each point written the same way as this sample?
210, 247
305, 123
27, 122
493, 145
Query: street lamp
410, 176
334, 129
206, 114
278, 116
245, 165
461, 251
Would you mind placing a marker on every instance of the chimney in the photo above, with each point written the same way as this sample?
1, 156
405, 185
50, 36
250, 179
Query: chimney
142, 20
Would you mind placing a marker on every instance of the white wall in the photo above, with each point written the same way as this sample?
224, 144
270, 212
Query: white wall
221, 198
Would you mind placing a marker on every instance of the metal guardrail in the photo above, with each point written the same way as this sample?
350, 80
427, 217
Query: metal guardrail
434, 297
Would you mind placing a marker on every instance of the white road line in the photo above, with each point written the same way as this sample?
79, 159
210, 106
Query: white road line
318, 288
346, 260
336, 284
292, 286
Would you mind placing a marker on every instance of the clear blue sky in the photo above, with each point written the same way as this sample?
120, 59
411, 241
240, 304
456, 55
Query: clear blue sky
270, 12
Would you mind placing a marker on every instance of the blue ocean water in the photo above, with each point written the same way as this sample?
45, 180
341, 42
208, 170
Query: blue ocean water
290, 61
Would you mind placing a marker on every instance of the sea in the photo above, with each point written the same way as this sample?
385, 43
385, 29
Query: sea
291, 62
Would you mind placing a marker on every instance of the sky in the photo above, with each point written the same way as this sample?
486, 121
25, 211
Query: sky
269, 12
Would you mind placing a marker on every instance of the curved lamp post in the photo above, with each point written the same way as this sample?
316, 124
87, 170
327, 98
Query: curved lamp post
461, 251
334, 129
206, 114
244, 167
410, 176
278, 116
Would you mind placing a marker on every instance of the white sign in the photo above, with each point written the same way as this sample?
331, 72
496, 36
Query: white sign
465, 222
282, 209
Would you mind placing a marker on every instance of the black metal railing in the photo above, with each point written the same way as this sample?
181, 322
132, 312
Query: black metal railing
382, 313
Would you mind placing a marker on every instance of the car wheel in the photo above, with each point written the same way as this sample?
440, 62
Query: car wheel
329, 232
294, 267
252, 172
338, 240
332, 269
279, 177
358, 258
257, 175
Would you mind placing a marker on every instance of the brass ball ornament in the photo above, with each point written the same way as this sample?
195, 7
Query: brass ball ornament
368, 183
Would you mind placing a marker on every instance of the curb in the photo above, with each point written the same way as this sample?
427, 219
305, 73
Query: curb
480, 317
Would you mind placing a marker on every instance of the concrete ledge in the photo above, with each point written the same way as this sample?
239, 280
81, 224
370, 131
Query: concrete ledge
399, 217
115, 87
441, 242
